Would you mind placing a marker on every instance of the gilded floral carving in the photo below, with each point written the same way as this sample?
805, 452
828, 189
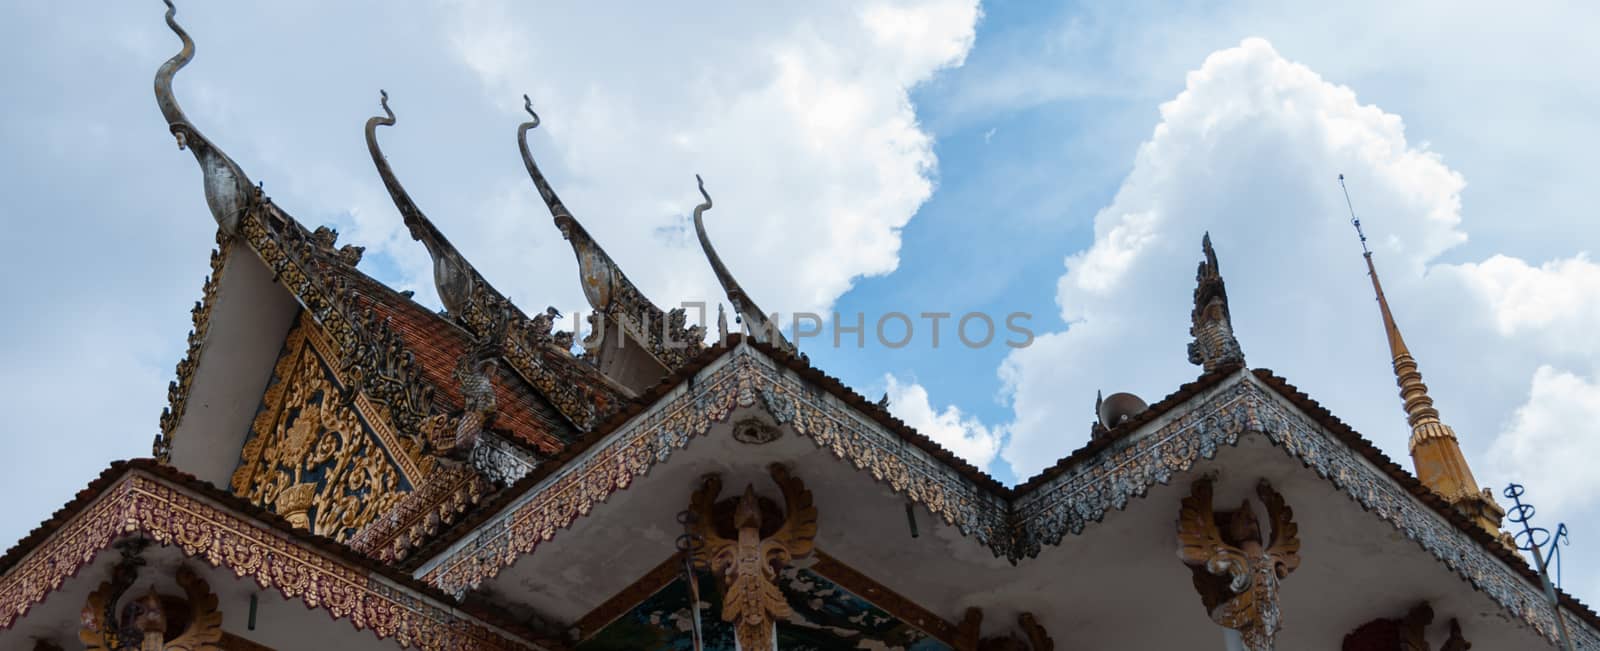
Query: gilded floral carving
310, 457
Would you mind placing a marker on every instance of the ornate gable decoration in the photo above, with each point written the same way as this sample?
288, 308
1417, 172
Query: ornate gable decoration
1214, 345
140, 505
313, 458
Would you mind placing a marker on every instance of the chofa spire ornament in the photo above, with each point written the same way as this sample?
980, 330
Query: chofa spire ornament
1435, 452
452, 275
662, 341
1211, 324
1235, 571
755, 321
748, 563
228, 190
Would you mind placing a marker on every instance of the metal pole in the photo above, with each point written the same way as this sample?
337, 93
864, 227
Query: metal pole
1555, 604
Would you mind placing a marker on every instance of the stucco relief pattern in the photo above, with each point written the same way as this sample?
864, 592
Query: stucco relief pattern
1016, 530
636, 448
1309, 443
1084, 494
1068, 503
200, 316
169, 516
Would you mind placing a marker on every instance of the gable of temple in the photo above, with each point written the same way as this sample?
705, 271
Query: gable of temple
341, 467
312, 457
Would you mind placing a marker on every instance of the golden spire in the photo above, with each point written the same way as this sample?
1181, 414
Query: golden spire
1435, 452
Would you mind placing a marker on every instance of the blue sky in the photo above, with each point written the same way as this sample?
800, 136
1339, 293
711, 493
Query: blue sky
931, 157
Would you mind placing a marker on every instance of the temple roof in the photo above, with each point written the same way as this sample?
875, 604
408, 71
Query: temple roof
663, 338
75, 524
438, 344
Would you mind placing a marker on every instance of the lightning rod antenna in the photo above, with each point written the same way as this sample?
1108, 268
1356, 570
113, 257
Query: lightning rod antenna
1353, 220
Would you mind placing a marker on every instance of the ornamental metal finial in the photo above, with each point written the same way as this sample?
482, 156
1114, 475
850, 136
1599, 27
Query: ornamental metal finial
755, 321
452, 275
1534, 539
228, 190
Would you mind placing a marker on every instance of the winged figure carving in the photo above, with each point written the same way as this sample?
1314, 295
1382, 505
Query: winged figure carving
1235, 571
761, 544
143, 624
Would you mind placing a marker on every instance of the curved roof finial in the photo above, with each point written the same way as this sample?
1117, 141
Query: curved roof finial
228, 190
553, 202
756, 321
452, 276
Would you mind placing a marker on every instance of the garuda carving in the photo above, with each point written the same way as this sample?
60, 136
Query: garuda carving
1236, 573
153, 622
1214, 345
1033, 636
747, 547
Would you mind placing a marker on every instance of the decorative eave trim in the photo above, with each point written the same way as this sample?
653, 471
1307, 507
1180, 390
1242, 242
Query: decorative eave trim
139, 503
1015, 527
297, 262
739, 379
178, 389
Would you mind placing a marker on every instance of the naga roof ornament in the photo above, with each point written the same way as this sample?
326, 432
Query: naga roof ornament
452, 274
665, 335
527, 344
1214, 344
755, 321
228, 191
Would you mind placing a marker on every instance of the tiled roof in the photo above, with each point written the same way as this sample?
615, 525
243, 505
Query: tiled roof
1355, 441
118, 469
438, 346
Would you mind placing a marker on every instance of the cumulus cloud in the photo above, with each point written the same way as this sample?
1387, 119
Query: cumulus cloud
1249, 151
1554, 306
798, 117
960, 433
1551, 437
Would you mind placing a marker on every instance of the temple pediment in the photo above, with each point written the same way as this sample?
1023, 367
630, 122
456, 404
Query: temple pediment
939, 535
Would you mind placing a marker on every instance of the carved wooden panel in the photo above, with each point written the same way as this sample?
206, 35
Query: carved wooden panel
312, 456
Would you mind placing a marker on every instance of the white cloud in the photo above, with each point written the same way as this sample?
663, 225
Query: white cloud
1554, 306
798, 117
1250, 151
960, 433
1550, 444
